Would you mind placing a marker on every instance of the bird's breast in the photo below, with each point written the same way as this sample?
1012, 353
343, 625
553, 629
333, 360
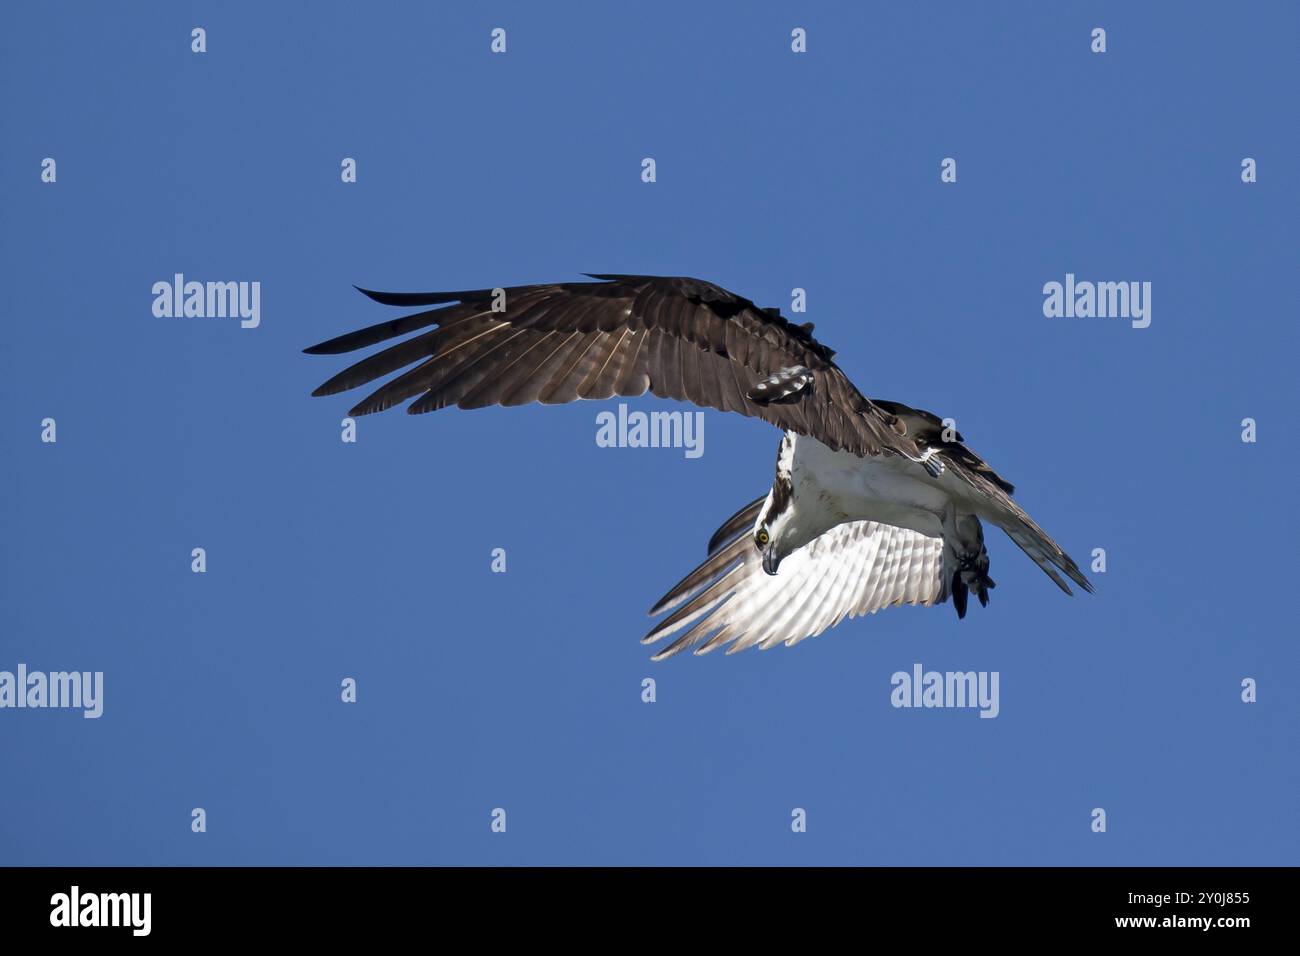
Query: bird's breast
885, 488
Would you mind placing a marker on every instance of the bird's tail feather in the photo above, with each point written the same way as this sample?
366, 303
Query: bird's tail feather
1047, 554
997, 507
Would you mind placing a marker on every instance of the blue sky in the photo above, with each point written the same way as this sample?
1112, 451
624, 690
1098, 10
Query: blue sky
522, 690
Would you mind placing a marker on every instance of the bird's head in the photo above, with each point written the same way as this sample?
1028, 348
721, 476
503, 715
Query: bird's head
776, 533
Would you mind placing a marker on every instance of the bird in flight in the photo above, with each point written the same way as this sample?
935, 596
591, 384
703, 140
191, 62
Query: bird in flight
874, 503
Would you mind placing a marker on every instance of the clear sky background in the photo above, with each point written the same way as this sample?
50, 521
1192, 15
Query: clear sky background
523, 690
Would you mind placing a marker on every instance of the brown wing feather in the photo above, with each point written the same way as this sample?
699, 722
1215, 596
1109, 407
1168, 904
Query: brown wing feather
678, 338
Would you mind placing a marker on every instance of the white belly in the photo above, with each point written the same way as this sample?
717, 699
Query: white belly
885, 488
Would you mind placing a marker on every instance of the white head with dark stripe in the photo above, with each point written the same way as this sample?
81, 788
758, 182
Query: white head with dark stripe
778, 531
771, 529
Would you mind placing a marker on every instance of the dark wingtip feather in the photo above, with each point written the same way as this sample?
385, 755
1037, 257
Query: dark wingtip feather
338, 345
380, 332
419, 298
659, 607
702, 577
736, 525
351, 341
717, 540
1077, 576
380, 297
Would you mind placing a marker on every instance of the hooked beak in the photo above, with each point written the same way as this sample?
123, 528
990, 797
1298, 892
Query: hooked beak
770, 561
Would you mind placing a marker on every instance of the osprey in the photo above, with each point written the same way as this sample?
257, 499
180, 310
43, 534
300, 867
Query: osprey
874, 503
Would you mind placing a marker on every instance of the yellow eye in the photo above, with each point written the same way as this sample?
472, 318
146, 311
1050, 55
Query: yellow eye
761, 537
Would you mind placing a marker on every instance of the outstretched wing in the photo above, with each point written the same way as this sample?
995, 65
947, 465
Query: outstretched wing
678, 338
855, 568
